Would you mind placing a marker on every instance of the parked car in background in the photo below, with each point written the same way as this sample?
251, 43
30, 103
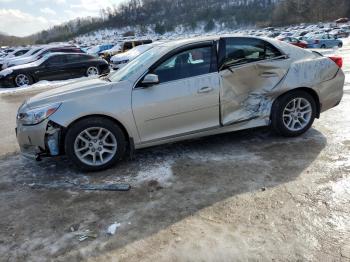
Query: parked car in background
323, 41
43, 52
123, 47
16, 53
120, 60
7, 61
294, 41
342, 20
340, 33
97, 50
180, 90
53, 66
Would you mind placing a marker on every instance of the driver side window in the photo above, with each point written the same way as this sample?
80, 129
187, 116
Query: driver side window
189, 63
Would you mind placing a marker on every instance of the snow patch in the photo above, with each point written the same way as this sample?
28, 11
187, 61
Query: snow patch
161, 173
113, 228
341, 191
44, 84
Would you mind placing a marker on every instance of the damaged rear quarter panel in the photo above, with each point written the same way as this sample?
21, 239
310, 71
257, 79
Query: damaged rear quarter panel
248, 91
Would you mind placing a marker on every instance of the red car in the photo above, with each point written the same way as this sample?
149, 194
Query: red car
294, 41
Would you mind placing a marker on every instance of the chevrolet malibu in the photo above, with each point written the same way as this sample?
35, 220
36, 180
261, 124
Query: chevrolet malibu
181, 90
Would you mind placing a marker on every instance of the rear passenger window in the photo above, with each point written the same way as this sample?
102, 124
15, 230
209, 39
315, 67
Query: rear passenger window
186, 64
56, 60
22, 52
237, 51
75, 58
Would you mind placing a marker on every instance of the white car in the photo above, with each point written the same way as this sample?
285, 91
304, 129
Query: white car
8, 60
120, 60
16, 53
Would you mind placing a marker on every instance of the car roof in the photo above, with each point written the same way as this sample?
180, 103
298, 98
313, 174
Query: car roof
182, 42
68, 53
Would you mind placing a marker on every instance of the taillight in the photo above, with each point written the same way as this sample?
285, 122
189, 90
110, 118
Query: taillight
338, 60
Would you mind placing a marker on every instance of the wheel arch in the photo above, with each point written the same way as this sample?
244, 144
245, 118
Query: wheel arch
311, 92
129, 139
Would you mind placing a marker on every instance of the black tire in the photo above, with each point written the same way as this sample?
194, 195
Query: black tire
30, 80
340, 45
85, 123
323, 46
277, 121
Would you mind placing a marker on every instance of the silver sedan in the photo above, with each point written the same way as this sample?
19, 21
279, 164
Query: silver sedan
180, 90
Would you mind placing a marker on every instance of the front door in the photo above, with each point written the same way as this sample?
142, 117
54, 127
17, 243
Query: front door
186, 100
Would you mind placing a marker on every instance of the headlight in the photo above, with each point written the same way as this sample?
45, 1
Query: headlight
37, 115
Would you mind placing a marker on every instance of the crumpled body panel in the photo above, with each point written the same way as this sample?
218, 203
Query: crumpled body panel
248, 91
245, 91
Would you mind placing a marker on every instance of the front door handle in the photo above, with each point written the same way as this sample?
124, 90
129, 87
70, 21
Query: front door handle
205, 89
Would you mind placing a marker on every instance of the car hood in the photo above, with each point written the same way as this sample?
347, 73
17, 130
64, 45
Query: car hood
120, 57
69, 92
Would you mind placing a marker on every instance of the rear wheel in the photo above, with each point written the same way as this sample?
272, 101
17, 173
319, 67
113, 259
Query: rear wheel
95, 144
340, 45
293, 114
23, 80
92, 71
323, 46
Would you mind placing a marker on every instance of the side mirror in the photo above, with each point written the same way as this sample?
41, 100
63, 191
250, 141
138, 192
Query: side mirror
150, 80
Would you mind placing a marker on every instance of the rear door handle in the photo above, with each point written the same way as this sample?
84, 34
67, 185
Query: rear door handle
205, 89
269, 74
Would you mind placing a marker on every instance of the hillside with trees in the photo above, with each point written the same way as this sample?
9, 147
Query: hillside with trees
165, 15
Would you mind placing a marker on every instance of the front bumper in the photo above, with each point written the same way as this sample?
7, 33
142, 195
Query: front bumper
33, 140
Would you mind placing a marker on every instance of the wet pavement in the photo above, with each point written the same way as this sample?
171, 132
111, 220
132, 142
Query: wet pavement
244, 196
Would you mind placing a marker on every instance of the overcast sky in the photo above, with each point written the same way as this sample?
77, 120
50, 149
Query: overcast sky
25, 17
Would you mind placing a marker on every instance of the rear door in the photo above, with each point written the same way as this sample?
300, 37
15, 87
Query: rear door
187, 98
250, 69
76, 65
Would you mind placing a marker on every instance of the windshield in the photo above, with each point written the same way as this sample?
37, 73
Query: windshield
135, 65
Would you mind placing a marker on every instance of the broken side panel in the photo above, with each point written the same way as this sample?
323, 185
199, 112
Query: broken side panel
245, 89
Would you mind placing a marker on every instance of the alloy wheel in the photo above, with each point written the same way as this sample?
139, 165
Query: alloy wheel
92, 71
95, 146
297, 114
22, 80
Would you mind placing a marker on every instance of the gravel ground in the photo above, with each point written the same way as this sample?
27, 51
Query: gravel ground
244, 196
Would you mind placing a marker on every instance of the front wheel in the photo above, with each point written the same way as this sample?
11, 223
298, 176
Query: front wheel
293, 114
23, 80
340, 45
95, 144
